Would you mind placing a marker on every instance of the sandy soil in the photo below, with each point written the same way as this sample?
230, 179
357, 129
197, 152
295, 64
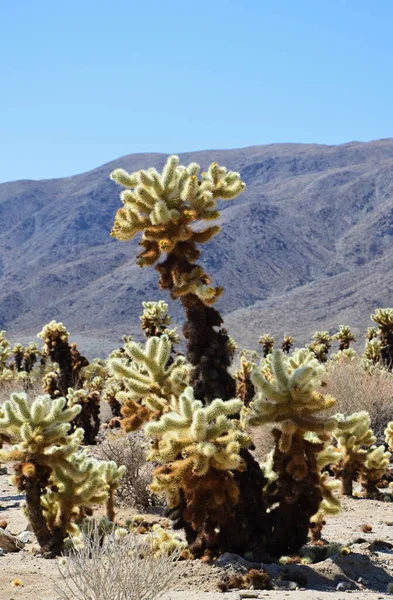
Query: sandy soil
368, 568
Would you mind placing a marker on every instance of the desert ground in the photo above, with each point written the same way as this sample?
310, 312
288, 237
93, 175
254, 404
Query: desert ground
364, 573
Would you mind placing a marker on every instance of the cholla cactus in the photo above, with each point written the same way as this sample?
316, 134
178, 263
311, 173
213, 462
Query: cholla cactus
301, 435
321, 345
18, 351
375, 464
59, 482
245, 389
199, 447
111, 389
344, 355
372, 332
345, 336
73, 371
163, 208
384, 318
5, 353
267, 342
155, 321
151, 385
287, 343
354, 438
389, 435
372, 350
55, 338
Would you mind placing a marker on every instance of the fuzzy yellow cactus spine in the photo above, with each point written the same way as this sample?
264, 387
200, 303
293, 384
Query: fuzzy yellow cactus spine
354, 438
384, 319
302, 432
345, 337
151, 385
155, 321
59, 481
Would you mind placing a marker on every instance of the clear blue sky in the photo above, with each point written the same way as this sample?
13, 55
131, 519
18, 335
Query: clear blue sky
82, 83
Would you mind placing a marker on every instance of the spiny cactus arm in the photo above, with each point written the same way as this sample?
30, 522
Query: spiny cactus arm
204, 435
383, 317
36, 426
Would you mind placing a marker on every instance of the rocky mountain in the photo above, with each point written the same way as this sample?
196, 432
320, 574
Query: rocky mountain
307, 246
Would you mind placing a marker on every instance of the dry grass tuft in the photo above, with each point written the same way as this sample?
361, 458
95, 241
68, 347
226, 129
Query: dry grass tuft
356, 389
124, 568
129, 449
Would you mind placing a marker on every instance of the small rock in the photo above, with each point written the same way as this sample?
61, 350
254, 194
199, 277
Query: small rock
248, 594
363, 581
3, 523
286, 585
235, 560
3, 471
343, 586
9, 543
25, 537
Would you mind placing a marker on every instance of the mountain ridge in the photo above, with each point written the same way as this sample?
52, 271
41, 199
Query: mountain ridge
314, 223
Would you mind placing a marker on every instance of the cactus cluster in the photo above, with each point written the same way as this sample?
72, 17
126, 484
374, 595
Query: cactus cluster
360, 459
60, 482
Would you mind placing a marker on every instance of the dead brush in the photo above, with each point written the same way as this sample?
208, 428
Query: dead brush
113, 567
128, 449
356, 389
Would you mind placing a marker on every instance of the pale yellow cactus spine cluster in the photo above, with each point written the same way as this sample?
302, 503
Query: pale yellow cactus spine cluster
204, 437
151, 385
154, 199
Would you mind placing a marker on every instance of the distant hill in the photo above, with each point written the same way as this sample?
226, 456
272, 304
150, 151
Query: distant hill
307, 246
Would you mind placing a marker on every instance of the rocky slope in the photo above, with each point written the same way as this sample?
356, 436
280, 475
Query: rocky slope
306, 246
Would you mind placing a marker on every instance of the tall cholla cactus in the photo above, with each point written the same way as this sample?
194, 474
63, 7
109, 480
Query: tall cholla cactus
384, 319
301, 439
155, 321
164, 207
267, 342
59, 482
345, 337
354, 438
152, 386
55, 337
